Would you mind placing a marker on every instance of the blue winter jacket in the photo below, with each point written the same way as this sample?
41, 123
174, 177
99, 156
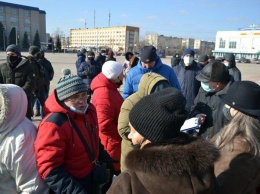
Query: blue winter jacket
134, 75
81, 58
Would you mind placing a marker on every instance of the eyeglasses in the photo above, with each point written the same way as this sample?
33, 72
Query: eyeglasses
79, 97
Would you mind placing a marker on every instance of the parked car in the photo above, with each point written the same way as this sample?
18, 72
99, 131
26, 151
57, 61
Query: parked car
244, 60
238, 60
258, 61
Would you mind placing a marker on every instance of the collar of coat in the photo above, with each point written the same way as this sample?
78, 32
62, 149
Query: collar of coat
181, 155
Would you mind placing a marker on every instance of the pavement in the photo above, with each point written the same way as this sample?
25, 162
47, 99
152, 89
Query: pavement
249, 71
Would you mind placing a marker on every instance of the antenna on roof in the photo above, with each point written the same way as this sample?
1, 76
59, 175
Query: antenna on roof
109, 15
85, 23
94, 18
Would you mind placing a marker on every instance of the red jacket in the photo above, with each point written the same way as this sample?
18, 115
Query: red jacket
107, 101
58, 145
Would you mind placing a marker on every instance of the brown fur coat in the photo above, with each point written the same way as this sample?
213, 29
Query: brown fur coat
181, 165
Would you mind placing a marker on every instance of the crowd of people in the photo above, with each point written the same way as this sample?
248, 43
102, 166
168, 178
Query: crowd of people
92, 139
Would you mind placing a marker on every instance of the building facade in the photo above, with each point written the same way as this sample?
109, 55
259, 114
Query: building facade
168, 43
24, 19
203, 47
243, 43
118, 38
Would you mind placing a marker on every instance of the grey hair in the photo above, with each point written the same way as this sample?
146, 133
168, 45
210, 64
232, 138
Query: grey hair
245, 126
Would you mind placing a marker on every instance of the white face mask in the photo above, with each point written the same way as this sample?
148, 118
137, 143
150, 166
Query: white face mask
72, 108
188, 61
226, 64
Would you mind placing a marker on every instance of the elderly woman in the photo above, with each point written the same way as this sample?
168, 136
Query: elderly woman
238, 169
169, 161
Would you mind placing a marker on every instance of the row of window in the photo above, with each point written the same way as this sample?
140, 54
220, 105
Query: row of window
15, 20
102, 32
15, 11
232, 44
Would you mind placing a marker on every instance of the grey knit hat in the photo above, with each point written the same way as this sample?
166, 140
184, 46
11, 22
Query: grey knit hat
159, 116
14, 48
70, 85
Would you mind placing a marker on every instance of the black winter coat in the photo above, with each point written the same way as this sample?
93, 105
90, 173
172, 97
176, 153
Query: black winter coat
22, 75
187, 79
211, 105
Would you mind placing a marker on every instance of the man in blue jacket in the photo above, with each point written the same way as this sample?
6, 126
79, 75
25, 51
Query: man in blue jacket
149, 62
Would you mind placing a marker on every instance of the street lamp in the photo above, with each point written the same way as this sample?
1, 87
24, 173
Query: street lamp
4, 37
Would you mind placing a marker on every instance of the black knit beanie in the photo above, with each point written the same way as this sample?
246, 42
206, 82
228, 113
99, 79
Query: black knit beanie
159, 116
70, 85
14, 48
33, 50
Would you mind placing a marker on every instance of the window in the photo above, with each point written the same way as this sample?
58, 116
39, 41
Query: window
27, 29
27, 21
14, 11
14, 20
2, 18
222, 43
1, 9
26, 13
232, 44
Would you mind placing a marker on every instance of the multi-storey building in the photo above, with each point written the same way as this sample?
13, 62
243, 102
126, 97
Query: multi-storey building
243, 43
203, 47
168, 43
24, 19
118, 38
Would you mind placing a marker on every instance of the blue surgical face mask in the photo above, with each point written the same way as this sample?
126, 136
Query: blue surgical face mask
73, 109
205, 86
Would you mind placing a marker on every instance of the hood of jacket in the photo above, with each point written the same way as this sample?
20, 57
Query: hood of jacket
13, 106
181, 155
101, 81
147, 82
157, 66
80, 54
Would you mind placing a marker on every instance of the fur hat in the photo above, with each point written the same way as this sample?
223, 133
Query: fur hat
14, 48
148, 54
188, 51
112, 69
244, 96
160, 115
214, 71
33, 50
70, 85
203, 58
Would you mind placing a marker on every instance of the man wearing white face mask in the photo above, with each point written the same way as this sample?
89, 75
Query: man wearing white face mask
186, 71
215, 81
230, 63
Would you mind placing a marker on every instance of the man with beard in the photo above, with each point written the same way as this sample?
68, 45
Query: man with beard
107, 101
17, 70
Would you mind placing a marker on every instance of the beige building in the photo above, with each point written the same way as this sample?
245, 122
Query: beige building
168, 43
118, 38
24, 19
203, 47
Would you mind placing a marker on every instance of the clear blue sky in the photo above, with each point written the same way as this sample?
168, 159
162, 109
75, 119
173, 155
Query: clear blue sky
192, 18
